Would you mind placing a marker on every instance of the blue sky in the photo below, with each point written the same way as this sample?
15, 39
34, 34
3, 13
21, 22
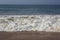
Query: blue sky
29, 1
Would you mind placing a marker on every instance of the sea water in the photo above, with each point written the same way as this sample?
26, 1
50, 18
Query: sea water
29, 9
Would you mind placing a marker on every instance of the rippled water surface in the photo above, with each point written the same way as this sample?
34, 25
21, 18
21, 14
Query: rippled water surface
29, 9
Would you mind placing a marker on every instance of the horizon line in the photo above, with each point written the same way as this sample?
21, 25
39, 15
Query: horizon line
29, 4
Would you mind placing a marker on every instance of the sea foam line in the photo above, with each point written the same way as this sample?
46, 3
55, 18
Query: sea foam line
30, 23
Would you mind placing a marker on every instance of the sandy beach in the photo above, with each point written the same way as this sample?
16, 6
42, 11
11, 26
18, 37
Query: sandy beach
30, 35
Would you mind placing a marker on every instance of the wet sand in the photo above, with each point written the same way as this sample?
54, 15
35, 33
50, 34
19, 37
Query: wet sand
30, 35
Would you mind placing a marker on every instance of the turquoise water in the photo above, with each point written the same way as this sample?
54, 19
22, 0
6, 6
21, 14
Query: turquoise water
29, 9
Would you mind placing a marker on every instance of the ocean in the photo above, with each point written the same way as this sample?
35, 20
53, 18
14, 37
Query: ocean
28, 18
29, 9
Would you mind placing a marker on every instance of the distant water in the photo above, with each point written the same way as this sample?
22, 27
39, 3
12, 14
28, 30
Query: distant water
29, 9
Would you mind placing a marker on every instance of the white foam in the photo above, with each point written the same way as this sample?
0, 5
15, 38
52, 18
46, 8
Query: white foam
30, 22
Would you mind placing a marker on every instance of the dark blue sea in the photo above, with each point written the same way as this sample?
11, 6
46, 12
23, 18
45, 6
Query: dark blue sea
29, 9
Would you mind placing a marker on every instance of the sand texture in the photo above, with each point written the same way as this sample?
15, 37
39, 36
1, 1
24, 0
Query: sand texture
29, 35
